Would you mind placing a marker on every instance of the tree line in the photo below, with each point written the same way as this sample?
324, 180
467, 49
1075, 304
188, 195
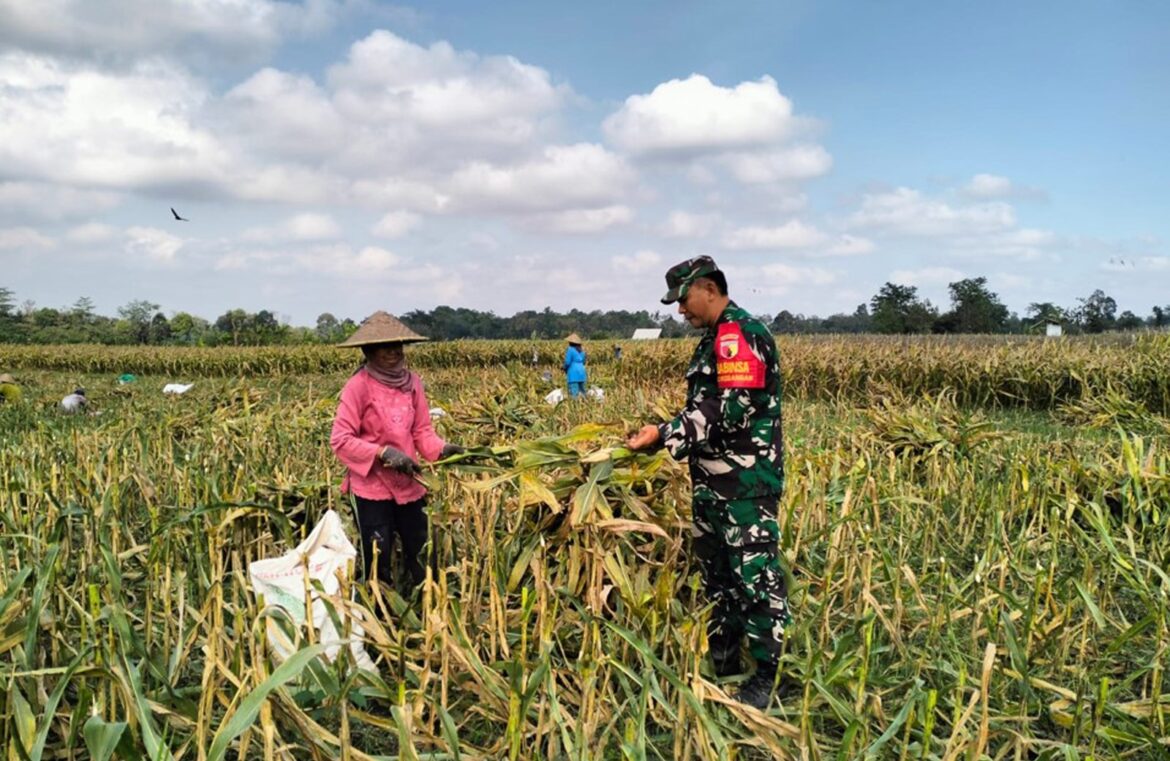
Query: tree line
896, 309
143, 322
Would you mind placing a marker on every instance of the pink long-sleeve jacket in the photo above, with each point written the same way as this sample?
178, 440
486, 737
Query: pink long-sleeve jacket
371, 416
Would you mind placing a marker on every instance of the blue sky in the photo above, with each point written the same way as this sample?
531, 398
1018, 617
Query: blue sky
347, 156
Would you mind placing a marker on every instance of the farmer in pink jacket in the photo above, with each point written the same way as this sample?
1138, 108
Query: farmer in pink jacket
382, 426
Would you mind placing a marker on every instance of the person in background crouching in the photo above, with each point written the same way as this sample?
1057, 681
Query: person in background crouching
75, 402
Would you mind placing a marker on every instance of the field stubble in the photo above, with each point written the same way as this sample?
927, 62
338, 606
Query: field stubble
968, 581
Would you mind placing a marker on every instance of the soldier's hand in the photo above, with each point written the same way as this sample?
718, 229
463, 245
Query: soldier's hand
645, 438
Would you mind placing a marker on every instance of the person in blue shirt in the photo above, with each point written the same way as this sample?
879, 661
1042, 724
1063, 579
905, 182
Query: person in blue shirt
575, 365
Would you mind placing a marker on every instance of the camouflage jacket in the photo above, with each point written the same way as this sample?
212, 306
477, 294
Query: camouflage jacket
730, 429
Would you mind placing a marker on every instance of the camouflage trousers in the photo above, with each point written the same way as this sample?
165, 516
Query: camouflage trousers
737, 544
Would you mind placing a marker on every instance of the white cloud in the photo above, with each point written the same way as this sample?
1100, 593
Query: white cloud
572, 176
681, 224
693, 116
1011, 281
307, 226
395, 224
988, 186
413, 195
311, 226
777, 278
849, 245
640, 262
580, 221
40, 200
1024, 244
421, 102
370, 274
748, 132
261, 108
927, 276
152, 243
785, 275
124, 29
800, 162
331, 259
484, 241
984, 187
372, 258
242, 259
72, 125
392, 109
91, 232
17, 238
906, 212
792, 234
286, 183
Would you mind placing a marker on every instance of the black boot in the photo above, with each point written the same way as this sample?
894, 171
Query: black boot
726, 663
757, 690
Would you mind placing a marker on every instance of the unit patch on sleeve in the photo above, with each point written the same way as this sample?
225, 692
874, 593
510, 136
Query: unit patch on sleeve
736, 365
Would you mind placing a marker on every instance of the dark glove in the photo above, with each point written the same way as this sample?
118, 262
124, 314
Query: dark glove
396, 459
450, 450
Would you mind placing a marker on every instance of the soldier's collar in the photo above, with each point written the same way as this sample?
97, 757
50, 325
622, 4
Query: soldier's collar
725, 315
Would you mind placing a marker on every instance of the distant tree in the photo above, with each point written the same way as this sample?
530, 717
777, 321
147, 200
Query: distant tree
160, 329
1042, 312
11, 330
1097, 313
787, 322
82, 310
1159, 317
266, 329
327, 327
187, 328
138, 315
1127, 320
897, 309
82, 320
857, 322
235, 323
45, 317
974, 309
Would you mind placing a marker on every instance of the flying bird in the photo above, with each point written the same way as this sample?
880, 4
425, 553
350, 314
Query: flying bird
181, 219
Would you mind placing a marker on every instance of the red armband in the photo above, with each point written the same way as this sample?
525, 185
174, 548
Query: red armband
736, 365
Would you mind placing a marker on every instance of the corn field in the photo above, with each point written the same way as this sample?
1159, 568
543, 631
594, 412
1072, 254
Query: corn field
976, 534
1019, 371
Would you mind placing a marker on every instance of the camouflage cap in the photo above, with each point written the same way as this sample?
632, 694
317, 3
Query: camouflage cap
680, 276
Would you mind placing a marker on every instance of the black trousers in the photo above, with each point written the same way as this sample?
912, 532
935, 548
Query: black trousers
380, 521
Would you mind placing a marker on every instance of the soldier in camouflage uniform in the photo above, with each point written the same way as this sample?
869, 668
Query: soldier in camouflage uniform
730, 433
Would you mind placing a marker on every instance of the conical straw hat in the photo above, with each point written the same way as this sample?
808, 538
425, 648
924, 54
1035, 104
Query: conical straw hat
382, 328
6, 378
573, 338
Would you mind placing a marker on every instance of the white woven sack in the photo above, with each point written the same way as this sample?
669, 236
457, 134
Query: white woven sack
326, 556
